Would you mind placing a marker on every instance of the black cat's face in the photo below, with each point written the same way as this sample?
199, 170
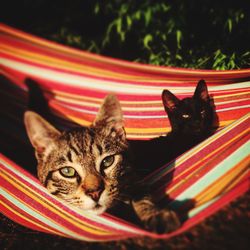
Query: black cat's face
192, 115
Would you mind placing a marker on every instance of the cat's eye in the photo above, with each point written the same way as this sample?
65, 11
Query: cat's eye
185, 116
107, 161
202, 112
68, 172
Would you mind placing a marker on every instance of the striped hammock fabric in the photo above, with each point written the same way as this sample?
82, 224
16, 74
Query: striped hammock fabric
74, 83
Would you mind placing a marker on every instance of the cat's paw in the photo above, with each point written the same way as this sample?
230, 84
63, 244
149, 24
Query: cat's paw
162, 221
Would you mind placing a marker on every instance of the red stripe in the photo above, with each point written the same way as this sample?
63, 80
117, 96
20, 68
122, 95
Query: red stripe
4, 159
43, 210
204, 151
84, 74
223, 200
78, 90
238, 190
136, 66
175, 75
37, 49
28, 216
204, 167
8, 213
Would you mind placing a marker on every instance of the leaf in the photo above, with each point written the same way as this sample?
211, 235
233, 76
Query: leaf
119, 25
165, 7
230, 25
129, 22
178, 57
147, 39
97, 8
147, 16
137, 15
231, 64
106, 39
178, 38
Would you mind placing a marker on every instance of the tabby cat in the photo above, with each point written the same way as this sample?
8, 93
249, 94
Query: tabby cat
192, 120
91, 168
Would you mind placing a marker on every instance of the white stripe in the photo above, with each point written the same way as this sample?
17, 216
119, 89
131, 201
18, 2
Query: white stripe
233, 108
85, 111
39, 217
96, 84
196, 210
86, 214
214, 174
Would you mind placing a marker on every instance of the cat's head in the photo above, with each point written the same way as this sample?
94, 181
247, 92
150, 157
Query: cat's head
191, 115
84, 167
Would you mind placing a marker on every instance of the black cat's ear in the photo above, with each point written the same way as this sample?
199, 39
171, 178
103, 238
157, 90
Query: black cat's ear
201, 91
170, 101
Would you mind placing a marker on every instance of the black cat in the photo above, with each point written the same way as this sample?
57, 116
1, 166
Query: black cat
192, 120
192, 116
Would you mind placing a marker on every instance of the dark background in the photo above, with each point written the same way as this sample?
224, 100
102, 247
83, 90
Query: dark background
196, 34
193, 33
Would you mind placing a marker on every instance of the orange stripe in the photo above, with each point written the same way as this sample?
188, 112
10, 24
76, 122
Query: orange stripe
224, 184
52, 207
198, 164
44, 60
111, 61
29, 220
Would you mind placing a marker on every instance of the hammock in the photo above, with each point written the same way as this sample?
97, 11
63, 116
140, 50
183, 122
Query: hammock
74, 83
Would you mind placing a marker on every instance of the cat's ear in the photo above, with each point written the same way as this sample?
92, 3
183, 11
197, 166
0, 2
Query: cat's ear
40, 132
110, 113
170, 101
201, 91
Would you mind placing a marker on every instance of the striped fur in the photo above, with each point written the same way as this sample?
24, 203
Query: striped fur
93, 186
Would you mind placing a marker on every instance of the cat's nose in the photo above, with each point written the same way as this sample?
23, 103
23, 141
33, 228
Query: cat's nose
95, 194
93, 186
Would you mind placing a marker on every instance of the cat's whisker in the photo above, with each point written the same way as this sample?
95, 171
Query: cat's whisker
119, 199
123, 196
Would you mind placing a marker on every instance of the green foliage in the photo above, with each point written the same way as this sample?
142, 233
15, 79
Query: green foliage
197, 34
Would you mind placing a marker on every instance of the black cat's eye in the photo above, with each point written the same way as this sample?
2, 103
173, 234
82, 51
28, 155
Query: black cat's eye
202, 112
185, 116
107, 161
68, 172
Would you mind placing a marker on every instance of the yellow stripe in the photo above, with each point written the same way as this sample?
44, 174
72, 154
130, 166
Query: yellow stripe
131, 130
79, 97
74, 67
225, 183
213, 138
128, 130
210, 155
99, 58
233, 101
244, 93
86, 227
31, 221
137, 107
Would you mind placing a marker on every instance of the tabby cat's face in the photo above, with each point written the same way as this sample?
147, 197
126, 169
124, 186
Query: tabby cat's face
192, 115
84, 167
